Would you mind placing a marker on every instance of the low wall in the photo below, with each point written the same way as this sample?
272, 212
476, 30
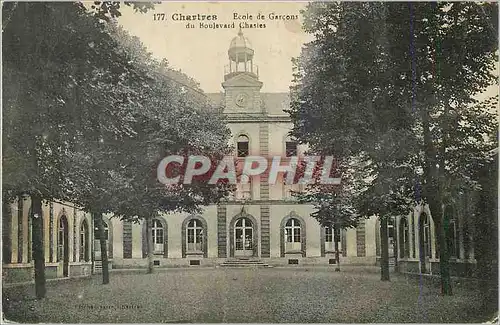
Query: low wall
458, 268
12, 273
131, 263
80, 269
17, 273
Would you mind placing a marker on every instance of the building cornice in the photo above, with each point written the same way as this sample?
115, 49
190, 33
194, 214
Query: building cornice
263, 202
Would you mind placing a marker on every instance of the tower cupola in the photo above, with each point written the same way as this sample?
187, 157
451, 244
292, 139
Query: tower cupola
240, 58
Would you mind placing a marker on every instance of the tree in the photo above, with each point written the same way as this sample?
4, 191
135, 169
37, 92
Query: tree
355, 90
64, 78
485, 217
333, 203
39, 120
175, 119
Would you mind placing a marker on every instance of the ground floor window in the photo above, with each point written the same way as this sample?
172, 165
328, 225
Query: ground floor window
84, 242
404, 240
62, 238
292, 235
425, 236
194, 236
329, 239
158, 239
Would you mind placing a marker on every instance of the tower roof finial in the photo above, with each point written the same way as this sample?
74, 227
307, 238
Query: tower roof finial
240, 32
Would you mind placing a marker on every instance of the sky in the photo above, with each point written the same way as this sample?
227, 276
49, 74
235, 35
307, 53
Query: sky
201, 53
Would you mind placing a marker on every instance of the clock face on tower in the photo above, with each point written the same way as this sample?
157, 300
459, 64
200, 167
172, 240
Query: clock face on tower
241, 99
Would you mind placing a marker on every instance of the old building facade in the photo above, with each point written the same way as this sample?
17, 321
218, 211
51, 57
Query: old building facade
260, 222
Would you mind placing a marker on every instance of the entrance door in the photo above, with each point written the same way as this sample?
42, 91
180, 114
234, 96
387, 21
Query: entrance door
243, 238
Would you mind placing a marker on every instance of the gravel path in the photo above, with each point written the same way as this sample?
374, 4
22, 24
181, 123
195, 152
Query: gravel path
286, 295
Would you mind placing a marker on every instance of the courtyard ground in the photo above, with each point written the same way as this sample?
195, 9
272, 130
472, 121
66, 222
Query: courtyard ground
247, 295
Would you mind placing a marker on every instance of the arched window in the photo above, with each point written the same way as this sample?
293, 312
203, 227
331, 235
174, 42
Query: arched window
63, 244
424, 237
62, 238
158, 239
404, 239
292, 235
243, 146
194, 236
84, 241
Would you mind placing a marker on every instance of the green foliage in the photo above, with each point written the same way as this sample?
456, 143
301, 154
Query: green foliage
88, 113
108, 10
391, 86
175, 119
51, 73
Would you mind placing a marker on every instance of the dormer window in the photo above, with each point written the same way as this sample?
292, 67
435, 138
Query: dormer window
291, 148
242, 146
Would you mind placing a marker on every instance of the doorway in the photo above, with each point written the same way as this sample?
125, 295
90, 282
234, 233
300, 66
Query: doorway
243, 238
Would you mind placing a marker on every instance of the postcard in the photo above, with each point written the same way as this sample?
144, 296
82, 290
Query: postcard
249, 162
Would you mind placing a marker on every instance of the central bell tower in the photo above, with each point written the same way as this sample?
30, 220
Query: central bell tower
241, 78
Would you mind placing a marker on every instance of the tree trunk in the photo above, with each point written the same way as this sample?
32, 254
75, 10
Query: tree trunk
149, 237
384, 246
444, 264
337, 257
38, 245
104, 250
336, 234
434, 198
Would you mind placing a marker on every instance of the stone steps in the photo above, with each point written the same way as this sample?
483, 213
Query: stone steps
244, 263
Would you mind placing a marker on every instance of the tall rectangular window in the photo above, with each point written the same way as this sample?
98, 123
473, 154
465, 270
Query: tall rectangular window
291, 148
157, 234
194, 236
328, 234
